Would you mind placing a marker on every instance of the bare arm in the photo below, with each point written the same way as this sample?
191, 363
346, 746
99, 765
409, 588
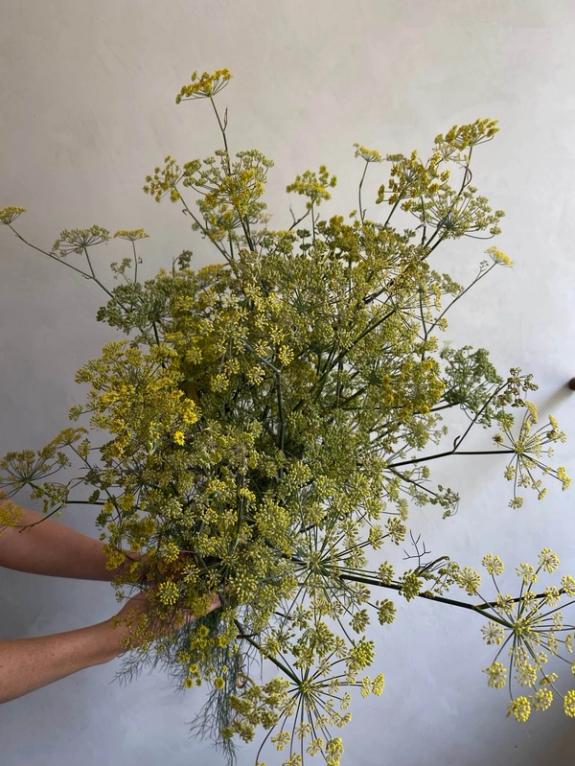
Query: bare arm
30, 663
52, 548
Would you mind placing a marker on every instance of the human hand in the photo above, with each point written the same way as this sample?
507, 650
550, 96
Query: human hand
137, 611
145, 569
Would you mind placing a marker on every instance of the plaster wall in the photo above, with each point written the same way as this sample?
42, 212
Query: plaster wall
88, 110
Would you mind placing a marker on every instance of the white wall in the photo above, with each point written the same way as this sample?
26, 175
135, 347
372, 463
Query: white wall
88, 109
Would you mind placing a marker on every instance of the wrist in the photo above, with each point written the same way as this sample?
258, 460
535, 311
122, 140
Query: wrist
110, 641
134, 561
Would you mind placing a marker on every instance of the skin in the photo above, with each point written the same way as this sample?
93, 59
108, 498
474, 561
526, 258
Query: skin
53, 549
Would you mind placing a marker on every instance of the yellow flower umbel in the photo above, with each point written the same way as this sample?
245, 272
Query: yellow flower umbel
569, 703
542, 699
179, 438
204, 86
498, 256
469, 579
78, 240
10, 513
10, 213
493, 564
520, 709
528, 447
131, 234
532, 628
168, 593
369, 155
496, 675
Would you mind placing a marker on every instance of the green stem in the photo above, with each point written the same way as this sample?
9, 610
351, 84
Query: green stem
479, 609
450, 452
359, 191
262, 651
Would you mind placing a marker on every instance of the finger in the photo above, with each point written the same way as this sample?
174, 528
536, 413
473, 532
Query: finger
187, 616
215, 603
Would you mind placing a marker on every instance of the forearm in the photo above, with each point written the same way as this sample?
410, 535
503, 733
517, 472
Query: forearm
52, 548
30, 663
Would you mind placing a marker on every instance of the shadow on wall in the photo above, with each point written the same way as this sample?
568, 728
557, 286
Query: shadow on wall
557, 398
563, 735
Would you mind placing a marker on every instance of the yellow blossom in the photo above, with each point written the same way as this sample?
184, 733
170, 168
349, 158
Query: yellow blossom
205, 85
569, 703
498, 256
493, 564
369, 155
542, 699
168, 593
131, 234
179, 437
8, 214
496, 675
520, 709
548, 560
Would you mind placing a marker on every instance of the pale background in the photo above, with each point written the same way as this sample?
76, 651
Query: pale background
88, 110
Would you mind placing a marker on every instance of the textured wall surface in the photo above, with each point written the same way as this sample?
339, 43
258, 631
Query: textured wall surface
87, 111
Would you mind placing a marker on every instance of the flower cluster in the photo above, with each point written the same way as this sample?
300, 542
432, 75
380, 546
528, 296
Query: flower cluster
532, 629
77, 240
528, 448
10, 213
498, 256
269, 422
314, 186
131, 234
205, 85
369, 155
